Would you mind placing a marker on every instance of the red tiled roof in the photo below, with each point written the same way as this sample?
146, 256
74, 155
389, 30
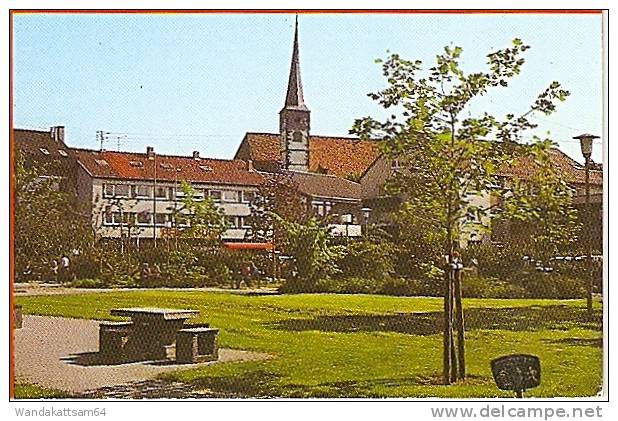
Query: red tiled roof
321, 185
137, 166
571, 170
339, 156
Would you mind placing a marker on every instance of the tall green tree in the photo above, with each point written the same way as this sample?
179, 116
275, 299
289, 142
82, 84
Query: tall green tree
48, 221
447, 156
314, 257
277, 195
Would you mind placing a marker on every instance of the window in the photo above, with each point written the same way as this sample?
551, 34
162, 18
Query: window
243, 221
248, 196
166, 166
161, 192
122, 190
198, 195
108, 190
116, 190
238, 222
44, 151
160, 219
182, 221
230, 196
206, 168
128, 218
319, 208
62, 153
215, 195
101, 162
474, 239
144, 218
108, 216
123, 218
297, 137
142, 191
473, 216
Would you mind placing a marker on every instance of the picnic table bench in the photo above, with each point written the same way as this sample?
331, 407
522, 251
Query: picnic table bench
153, 333
196, 345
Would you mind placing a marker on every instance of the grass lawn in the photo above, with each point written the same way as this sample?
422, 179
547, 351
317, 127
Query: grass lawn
328, 345
32, 391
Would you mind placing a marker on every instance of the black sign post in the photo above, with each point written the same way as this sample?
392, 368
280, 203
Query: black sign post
517, 372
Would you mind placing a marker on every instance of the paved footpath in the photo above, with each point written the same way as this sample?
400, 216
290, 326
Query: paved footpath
60, 353
57, 289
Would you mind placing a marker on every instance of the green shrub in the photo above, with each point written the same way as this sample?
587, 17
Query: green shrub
494, 261
87, 283
480, 287
349, 286
381, 286
544, 285
580, 269
366, 259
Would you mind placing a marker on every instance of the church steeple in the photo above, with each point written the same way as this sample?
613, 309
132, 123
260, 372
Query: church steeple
294, 118
294, 98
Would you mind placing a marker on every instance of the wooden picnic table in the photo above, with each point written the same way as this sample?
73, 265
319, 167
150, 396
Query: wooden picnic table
153, 331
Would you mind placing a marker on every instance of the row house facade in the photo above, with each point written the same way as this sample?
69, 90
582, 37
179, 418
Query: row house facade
137, 195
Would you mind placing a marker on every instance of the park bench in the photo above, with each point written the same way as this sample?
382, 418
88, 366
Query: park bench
113, 339
196, 344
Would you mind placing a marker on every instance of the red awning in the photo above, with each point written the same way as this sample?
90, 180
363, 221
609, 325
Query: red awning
249, 246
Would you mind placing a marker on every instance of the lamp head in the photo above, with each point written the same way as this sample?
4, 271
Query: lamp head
585, 141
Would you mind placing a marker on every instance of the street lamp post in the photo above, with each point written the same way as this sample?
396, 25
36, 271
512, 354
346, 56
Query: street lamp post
178, 169
154, 202
585, 141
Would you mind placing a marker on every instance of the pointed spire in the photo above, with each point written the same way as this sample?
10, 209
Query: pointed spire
294, 98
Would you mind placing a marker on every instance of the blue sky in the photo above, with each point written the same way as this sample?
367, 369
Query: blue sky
184, 82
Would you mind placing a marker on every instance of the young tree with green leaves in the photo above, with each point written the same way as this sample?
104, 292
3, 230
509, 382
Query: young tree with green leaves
198, 221
308, 244
446, 155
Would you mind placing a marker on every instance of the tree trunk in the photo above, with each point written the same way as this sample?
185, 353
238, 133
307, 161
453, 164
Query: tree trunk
448, 328
453, 351
459, 325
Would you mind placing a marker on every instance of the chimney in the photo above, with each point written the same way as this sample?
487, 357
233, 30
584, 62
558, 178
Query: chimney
57, 134
196, 155
250, 167
150, 152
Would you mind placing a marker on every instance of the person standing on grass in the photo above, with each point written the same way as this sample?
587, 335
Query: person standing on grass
248, 272
64, 269
53, 269
145, 274
156, 273
254, 273
27, 273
